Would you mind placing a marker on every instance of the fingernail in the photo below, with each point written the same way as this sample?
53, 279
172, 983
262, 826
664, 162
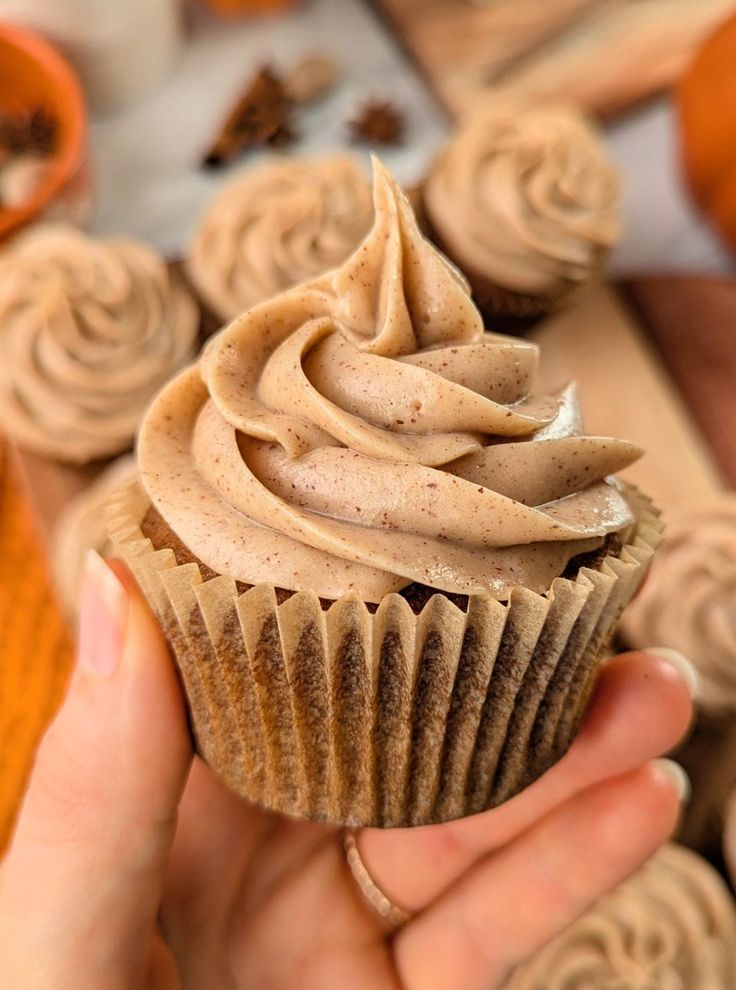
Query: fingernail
676, 776
102, 615
681, 664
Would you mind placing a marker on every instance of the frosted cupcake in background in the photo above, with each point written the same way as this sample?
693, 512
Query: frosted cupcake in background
91, 329
387, 566
688, 603
82, 526
277, 225
672, 925
525, 202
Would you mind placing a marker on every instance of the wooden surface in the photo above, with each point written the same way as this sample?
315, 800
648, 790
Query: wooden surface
35, 645
692, 322
626, 392
603, 55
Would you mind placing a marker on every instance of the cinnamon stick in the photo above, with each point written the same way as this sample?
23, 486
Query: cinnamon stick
260, 116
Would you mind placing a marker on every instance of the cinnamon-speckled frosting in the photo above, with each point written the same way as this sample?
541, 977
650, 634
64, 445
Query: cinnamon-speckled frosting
689, 600
276, 226
525, 198
672, 926
89, 331
362, 432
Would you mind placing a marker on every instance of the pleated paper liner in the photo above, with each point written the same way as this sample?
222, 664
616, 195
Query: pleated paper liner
385, 719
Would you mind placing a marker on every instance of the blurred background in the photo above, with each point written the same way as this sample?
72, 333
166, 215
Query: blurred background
129, 118
160, 76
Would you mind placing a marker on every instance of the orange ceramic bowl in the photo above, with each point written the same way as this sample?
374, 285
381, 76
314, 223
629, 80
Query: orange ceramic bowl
33, 74
244, 8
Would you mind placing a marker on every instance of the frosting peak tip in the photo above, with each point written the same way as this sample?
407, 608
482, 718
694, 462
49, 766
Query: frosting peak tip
386, 183
361, 432
397, 292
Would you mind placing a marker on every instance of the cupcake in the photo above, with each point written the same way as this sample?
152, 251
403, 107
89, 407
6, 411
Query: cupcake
525, 202
89, 331
82, 526
276, 226
386, 566
689, 604
689, 601
672, 925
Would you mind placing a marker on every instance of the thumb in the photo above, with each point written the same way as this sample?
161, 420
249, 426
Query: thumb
82, 882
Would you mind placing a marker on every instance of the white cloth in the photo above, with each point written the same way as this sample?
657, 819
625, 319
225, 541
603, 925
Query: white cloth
121, 49
149, 183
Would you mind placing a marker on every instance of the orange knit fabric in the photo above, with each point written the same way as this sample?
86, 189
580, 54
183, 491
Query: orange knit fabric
35, 643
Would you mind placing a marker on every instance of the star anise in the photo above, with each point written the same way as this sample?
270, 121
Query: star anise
43, 132
261, 116
30, 132
378, 122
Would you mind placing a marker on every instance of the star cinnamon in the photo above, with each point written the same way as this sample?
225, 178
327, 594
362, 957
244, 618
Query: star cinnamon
378, 122
33, 131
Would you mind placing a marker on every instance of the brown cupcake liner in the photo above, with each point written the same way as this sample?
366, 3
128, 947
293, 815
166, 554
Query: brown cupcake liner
384, 719
497, 302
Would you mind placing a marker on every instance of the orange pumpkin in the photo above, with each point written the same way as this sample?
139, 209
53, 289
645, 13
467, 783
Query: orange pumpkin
706, 103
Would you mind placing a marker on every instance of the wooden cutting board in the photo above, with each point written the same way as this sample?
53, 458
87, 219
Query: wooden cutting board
692, 323
626, 391
603, 55
660, 375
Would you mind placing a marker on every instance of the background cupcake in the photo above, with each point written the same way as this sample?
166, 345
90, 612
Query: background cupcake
82, 526
89, 331
277, 225
526, 203
688, 603
673, 924
386, 566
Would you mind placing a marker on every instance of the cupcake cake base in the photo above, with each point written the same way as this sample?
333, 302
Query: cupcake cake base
331, 712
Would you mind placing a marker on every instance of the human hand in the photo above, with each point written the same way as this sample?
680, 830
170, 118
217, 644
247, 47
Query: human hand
133, 866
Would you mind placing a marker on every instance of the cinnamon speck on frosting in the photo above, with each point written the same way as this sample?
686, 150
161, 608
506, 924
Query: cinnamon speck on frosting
364, 432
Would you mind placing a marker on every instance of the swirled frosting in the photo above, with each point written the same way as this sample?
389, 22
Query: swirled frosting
362, 432
525, 198
688, 602
89, 331
672, 926
276, 226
